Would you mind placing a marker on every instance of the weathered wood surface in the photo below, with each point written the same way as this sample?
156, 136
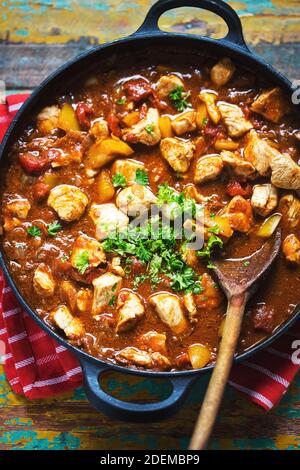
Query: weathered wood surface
36, 37
69, 422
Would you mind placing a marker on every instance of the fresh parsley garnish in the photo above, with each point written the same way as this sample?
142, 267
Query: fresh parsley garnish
121, 100
64, 258
246, 263
204, 121
210, 265
179, 98
82, 261
215, 229
112, 301
119, 180
212, 243
53, 228
34, 231
139, 280
141, 177
149, 128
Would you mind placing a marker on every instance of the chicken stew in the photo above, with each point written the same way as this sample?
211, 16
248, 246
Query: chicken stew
212, 140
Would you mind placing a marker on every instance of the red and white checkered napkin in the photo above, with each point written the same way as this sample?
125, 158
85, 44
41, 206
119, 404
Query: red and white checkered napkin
38, 367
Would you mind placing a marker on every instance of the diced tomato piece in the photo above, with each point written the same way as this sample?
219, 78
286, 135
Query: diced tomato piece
114, 124
137, 89
34, 162
235, 188
83, 110
137, 266
61, 266
40, 190
124, 296
263, 318
212, 131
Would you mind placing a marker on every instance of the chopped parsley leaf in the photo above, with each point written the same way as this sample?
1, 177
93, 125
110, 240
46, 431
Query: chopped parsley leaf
119, 180
139, 280
149, 128
34, 231
179, 98
210, 265
246, 263
141, 177
204, 121
82, 261
215, 229
112, 301
121, 100
213, 241
53, 228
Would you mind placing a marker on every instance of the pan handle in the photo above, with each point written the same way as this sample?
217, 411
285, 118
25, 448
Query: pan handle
135, 412
231, 18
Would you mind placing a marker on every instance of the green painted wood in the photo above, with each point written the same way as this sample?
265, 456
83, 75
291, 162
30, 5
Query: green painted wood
69, 422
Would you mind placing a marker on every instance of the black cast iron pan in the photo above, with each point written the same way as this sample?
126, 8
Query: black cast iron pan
147, 36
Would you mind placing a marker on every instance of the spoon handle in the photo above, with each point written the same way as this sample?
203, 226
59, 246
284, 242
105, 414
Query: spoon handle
215, 390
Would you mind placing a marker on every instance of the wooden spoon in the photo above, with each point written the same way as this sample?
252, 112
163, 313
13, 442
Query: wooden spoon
239, 279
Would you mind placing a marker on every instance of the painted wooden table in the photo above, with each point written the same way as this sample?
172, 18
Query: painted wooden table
36, 37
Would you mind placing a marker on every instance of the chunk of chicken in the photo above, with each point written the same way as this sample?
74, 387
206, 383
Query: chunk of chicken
47, 119
130, 310
271, 105
135, 199
43, 281
18, 207
84, 300
285, 172
68, 201
186, 122
211, 296
210, 99
208, 168
190, 305
69, 149
238, 164
264, 199
63, 319
178, 153
153, 342
128, 169
68, 294
166, 84
146, 131
10, 223
222, 72
259, 152
107, 218
290, 207
234, 119
291, 249
239, 213
142, 358
89, 248
170, 311
99, 128
189, 256
106, 289
116, 266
